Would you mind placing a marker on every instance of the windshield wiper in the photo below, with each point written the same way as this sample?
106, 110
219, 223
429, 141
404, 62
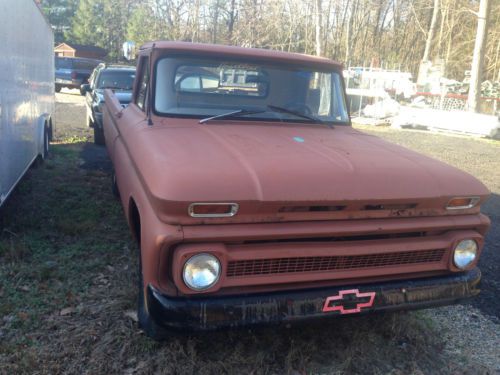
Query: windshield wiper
241, 112
298, 114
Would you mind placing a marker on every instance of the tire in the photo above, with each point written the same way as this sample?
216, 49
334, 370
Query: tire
46, 143
114, 186
45, 151
98, 136
146, 323
58, 88
90, 123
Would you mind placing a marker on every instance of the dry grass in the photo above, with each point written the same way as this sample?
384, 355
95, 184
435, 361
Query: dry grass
67, 289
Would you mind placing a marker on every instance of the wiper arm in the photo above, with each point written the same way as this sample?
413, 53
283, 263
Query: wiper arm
298, 114
240, 112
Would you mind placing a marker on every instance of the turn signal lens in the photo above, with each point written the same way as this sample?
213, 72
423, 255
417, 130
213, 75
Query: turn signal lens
461, 203
213, 209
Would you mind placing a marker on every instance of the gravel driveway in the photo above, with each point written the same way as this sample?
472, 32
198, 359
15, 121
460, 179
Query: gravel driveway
471, 328
480, 158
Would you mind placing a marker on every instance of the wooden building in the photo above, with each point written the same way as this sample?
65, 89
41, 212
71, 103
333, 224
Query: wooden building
79, 50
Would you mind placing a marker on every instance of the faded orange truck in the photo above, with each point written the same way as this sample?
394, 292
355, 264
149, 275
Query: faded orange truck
254, 201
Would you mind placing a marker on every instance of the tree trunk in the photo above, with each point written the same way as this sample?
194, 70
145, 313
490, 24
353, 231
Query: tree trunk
432, 29
478, 57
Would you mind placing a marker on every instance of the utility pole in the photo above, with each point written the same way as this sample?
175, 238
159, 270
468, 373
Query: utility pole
432, 30
474, 99
318, 27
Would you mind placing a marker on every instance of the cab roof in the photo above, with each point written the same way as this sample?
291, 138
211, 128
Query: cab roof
233, 51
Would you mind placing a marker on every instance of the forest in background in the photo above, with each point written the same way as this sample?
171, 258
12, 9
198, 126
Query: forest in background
388, 33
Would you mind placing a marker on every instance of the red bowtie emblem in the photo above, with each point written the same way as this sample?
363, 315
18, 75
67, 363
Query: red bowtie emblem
336, 303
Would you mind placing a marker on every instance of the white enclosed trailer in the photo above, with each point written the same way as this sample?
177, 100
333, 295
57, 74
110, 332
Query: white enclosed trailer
26, 89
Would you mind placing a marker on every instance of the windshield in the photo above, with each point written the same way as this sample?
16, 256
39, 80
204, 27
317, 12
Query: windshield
204, 88
119, 80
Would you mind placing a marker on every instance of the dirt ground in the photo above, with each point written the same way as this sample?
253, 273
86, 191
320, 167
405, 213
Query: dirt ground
67, 285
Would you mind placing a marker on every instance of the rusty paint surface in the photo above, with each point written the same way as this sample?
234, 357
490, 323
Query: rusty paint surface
335, 183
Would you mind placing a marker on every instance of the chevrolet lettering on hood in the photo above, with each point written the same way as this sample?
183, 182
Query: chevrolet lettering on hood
253, 200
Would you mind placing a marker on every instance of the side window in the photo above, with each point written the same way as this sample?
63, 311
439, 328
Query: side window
142, 88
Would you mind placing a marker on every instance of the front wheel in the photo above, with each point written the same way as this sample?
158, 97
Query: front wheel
114, 186
98, 136
58, 88
146, 323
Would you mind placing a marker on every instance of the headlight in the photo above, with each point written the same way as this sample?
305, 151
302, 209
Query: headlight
465, 253
201, 271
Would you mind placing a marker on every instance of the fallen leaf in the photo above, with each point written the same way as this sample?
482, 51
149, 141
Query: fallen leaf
67, 311
132, 315
22, 315
24, 288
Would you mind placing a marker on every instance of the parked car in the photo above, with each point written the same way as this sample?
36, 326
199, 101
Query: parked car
72, 72
118, 78
253, 200
26, 91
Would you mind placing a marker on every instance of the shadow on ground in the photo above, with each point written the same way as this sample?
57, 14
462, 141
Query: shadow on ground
95, 158
489, 263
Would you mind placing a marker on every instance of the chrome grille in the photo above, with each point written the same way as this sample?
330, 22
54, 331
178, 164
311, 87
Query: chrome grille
256, 267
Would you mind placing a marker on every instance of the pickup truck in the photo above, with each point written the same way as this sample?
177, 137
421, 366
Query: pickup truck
253, 200
72, 72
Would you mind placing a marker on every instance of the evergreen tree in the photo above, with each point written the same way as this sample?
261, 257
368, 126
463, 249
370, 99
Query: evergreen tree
59, 13
88, 25
141, 26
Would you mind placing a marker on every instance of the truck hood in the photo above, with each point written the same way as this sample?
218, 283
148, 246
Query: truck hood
277, 168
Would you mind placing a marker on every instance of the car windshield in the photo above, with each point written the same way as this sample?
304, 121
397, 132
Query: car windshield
204, 88
115, 79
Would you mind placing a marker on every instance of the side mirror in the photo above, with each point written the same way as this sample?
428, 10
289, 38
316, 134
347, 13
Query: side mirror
85, 88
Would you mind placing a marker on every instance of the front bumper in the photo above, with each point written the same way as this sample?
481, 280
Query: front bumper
232, 311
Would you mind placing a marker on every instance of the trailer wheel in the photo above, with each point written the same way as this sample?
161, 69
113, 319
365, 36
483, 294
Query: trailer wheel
44, 154
98, 136
146, 323
46, 143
